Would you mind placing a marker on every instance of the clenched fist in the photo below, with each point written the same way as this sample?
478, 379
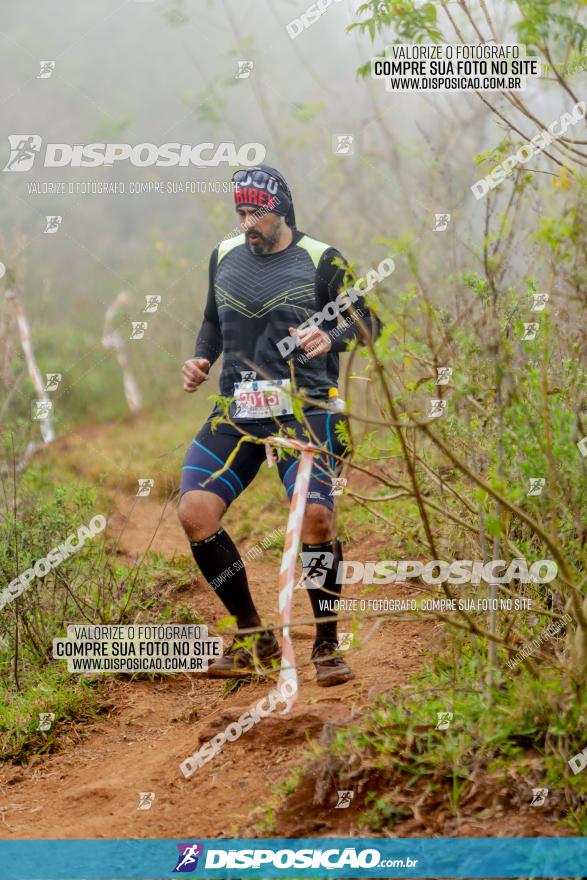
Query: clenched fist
195, 371
312, 341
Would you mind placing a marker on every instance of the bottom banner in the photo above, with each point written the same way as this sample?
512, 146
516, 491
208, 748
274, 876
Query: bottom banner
312, 858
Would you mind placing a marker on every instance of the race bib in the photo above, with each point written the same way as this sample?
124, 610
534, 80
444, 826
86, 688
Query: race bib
262, 399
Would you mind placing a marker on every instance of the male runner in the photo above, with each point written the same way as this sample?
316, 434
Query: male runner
262, 285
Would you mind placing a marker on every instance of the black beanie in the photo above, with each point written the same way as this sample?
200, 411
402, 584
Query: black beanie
265, 189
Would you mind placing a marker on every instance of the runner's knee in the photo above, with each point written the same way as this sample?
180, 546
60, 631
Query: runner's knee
318, 524
200, 514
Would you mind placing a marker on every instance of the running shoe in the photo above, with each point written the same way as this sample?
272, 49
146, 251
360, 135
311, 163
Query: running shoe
330, 667
242, 661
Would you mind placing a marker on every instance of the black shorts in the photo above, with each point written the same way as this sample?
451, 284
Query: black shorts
209, 451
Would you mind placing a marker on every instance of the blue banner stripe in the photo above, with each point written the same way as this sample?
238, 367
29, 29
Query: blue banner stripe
336, 858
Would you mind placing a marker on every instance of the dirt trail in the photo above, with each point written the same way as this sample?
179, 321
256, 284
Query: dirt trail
91, 790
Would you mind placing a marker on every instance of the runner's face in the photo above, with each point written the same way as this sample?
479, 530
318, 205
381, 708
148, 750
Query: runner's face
262, 233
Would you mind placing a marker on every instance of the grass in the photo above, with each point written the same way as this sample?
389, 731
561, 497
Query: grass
64, 487
265, 815
92, 585
115, 456
72, 701
519, 735
501, 744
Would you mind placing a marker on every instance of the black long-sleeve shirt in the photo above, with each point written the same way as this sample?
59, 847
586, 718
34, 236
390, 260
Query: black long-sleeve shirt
253, 299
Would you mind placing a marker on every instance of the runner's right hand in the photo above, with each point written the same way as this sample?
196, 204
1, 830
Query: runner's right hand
195, 371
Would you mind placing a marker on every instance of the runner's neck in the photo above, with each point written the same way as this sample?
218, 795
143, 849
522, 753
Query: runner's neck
285, 239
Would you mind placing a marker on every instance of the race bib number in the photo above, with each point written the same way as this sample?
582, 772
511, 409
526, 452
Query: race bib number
262, 399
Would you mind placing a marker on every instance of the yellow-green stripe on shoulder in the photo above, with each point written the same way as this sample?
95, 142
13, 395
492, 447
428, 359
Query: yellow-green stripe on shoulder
314, 247
228, 244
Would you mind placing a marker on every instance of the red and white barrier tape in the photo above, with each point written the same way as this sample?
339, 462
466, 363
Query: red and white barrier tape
24, 330
287, 574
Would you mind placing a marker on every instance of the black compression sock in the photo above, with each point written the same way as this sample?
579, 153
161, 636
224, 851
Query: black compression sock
222, 566
323, 599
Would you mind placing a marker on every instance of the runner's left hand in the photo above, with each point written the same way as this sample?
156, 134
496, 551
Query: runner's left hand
313, 341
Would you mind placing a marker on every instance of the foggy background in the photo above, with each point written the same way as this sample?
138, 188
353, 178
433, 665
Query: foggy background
160, 72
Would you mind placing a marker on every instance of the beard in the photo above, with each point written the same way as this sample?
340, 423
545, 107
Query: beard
266, 242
